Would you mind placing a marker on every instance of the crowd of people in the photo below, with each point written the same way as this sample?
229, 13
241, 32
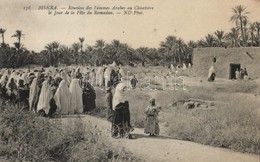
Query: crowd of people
56, 92
48, 92
242, 74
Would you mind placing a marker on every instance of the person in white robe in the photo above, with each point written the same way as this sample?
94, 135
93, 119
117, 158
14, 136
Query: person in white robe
107, 76
92, 77
3, 79
34, 94
122, 73
184, 66
100, 76
62, 98
45, 98
212, 73
65, 77
25, 78
76, 97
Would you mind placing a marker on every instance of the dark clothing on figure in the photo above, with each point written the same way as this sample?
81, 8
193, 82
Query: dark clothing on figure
22, 97
53, 108
121, 121
133, 81
78, 75
110, 111
12, 94
245, 73
212, 77
114, 78
3, 91
88, 96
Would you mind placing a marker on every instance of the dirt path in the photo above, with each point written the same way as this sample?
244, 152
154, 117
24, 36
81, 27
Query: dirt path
165, 149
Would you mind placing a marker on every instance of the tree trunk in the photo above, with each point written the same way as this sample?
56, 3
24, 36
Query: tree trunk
258, 38
19, 43
252, 39
3, 38
179, 54
242, 31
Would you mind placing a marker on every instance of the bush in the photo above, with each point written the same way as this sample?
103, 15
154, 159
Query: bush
233, 126
27, 137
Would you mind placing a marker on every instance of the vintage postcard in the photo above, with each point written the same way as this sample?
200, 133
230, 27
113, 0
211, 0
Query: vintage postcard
130, 80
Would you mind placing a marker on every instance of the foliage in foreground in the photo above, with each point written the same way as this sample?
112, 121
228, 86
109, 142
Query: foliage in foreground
26, 137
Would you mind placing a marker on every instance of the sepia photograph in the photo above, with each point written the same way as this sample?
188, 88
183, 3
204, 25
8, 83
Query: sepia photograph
130, 81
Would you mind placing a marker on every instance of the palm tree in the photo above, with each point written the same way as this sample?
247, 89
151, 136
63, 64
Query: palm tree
89, 56
153, 56
116, 47
127, 55
201, 43
51, 53
257, 26
252, 29
209, 40
169, 48
246, 31
238, 17
2, 32
192, 44
233, 36
141, 53
180, 49
100, 44
18, 34
65, 54
75, 49
81, 40
220, 37
99, 51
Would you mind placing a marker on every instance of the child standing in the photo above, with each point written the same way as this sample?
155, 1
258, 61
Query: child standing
152, 123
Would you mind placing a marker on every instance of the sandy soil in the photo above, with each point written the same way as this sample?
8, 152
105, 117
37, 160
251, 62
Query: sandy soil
166, 149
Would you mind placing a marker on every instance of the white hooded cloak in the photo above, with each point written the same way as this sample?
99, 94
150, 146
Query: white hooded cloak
62, 98
45, 98
76, 97
119, 95
107, 76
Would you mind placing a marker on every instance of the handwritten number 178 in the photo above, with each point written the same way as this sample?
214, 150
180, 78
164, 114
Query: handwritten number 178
26, 8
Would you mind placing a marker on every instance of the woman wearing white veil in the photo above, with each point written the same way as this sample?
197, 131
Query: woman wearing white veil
45, 98
212, 74
34, 93
25, 78
62, 98
76, 96
100, 76
107, 76
121, 126
64, 77
4, 80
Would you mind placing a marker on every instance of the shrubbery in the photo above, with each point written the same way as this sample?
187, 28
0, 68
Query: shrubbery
235, 126
27, 137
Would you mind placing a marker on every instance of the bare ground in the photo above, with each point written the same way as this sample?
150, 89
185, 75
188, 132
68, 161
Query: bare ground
166, 149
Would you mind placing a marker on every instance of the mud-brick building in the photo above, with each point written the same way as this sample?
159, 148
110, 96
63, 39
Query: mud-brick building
227, 60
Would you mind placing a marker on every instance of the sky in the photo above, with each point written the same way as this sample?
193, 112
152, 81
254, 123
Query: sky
188, 19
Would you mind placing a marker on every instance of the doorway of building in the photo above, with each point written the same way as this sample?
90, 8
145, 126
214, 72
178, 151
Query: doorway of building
232, 71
